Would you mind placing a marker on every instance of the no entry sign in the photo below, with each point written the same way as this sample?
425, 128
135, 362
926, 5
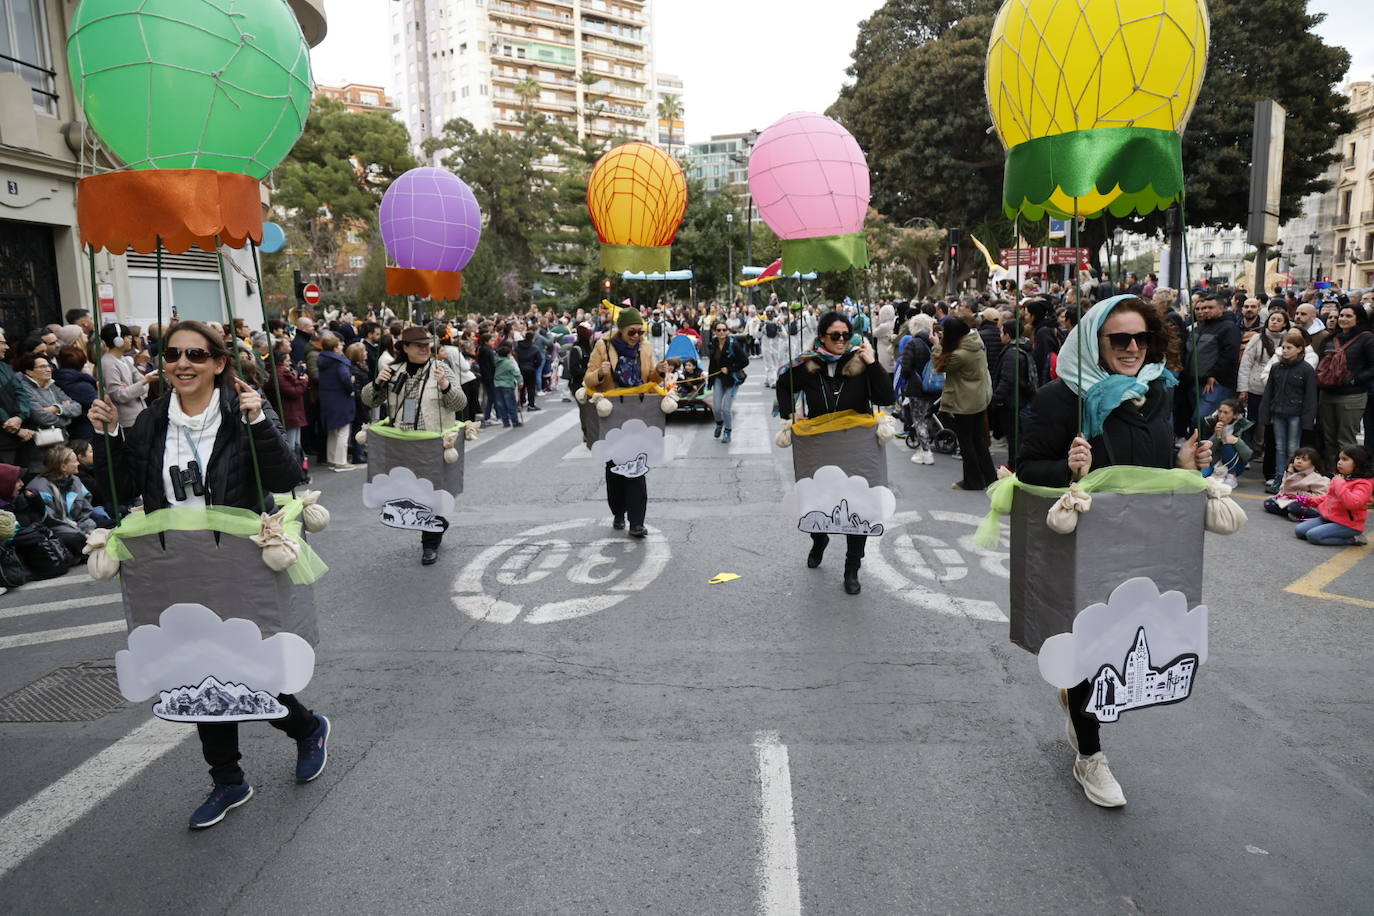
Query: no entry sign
311, 294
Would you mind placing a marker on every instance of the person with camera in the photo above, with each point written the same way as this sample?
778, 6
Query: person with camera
191, 449
419, 393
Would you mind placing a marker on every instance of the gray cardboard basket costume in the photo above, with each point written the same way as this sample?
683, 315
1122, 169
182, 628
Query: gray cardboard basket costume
646, 407
223, 572
424, 457
855, 451
1155, 535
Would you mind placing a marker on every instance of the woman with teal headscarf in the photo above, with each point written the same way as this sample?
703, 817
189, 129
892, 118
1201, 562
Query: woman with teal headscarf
1114, 381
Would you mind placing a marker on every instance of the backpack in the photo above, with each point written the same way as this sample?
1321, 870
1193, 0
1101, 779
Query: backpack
933, 382
770, 329
13, 572
45, 556
793, 328
657, 329
1333, 368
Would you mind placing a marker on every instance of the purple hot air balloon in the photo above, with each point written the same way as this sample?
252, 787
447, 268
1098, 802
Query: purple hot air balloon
430, 225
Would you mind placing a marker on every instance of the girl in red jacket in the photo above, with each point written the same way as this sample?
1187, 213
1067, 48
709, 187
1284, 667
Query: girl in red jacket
1345, 507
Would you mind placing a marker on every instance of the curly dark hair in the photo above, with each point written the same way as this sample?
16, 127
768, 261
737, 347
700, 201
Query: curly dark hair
1164, 338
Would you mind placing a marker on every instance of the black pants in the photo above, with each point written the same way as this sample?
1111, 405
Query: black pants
472, 391
531, 386
432, 538
978, 469
853, 547
219, 741
627, 496
1086, 727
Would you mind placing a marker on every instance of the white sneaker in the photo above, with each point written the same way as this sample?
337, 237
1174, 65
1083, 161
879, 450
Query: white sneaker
1098, 782
928, 456
1068, 721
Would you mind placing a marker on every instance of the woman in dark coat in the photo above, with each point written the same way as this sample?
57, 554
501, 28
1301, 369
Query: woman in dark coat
288, 392
208, 402
1123, 384
836, 374
71, 376
338, 405
1340, 404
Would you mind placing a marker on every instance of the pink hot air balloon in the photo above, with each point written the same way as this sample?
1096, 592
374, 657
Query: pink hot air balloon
809, 180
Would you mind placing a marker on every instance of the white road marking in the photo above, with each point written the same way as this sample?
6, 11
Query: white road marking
46, 636
60, 581
527, 444
47, 607
751, 435
33, 824
780, 894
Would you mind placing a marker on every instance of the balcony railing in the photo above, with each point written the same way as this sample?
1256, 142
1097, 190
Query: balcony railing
40, 79
497, 6
1343, 218
1367, 216
598, 46
1348, 162
608, 9
624, 34
1365, 256
1340, 258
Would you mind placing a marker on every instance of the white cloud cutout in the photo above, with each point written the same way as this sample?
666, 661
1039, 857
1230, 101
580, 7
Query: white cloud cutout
832, 502
1104, 633
191, 642
402, 484
626, 443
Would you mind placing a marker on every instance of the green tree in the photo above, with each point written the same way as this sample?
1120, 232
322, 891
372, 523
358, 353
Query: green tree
670, 110
332, 183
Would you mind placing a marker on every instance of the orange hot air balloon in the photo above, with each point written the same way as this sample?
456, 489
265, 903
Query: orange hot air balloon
637, 196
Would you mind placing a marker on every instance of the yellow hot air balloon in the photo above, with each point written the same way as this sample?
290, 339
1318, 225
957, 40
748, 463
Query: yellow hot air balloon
1090, 99
637, 196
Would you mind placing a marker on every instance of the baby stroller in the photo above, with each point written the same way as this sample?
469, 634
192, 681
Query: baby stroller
942, 438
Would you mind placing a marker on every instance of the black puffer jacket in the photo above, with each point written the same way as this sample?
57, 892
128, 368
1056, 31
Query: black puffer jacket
914, 359
854, 386
726, 361
1140, 436
1290, 392
229, 480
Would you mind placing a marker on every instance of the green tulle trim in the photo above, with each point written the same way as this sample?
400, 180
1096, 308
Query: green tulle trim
240, 523
827, 252
1146, 163
1124, 478
634, 258
384, 428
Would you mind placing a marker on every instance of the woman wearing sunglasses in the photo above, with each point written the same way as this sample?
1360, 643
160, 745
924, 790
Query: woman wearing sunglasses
199, 432
729, 359
1122, 382
840, 372
625, 358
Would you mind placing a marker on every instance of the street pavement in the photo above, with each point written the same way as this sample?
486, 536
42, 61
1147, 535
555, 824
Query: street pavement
557, 719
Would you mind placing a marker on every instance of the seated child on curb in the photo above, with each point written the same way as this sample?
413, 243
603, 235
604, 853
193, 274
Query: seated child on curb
1303, 486
1231, 452
1345, 507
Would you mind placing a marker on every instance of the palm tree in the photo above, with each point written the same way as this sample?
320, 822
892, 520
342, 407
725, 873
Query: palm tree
670, 110
528, 90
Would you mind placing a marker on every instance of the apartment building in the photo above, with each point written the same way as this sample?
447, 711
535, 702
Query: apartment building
1353, 230
45, 147
358, 97
587, 64
670, 131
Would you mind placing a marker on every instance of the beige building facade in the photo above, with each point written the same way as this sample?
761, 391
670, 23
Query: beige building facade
1353, 245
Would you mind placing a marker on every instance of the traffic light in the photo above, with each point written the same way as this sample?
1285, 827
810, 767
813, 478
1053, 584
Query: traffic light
955, 236
606, 285
300, 287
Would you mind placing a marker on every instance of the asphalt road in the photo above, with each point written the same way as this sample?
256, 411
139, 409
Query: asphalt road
557, 719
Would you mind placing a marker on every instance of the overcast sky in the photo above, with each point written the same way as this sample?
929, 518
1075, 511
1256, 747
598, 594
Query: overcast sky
745, 63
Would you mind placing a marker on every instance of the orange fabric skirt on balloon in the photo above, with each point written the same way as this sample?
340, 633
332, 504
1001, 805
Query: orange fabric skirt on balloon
433, 284
181, 207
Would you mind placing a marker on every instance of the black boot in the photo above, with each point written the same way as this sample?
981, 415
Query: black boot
813, 559
851, 577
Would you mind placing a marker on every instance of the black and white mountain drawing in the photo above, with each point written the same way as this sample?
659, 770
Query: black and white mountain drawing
839, 521
635, 467
213, 701
409, 515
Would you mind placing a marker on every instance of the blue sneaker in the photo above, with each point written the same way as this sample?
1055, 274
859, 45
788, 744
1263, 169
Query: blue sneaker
222, 800
311, 753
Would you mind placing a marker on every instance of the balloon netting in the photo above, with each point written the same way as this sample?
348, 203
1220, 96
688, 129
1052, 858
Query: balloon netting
1056, 66
809, 178
637, 195
204, 84
430, 220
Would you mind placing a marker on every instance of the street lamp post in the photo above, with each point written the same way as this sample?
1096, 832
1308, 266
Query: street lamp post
1208, 267
1119, 236
1311, 251
730, 256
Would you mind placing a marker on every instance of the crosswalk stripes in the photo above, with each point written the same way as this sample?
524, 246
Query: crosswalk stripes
86, 614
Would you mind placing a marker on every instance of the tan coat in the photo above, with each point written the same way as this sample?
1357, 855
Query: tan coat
968, 387
603, 351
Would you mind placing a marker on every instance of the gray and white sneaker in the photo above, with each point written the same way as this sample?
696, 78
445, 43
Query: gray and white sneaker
1097, 781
